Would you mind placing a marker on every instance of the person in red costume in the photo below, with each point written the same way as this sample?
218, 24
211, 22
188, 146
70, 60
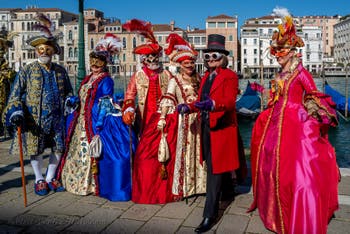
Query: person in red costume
219, 129
294, 170
147, 84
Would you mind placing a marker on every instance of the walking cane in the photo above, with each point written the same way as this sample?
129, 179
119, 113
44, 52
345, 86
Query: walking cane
184, 138
19, 135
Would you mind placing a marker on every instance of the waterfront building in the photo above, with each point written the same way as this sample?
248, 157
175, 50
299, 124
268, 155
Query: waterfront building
22, 21
198, 38
326, 24
228, 27
256, 34
342, 41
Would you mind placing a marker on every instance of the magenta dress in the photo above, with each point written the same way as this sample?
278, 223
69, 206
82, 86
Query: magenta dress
295, 174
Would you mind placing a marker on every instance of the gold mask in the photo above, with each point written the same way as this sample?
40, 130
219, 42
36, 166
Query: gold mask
97, 62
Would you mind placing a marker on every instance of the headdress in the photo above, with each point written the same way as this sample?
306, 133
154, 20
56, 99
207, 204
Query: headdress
145, 29
108, 46
45, 26
286, 36
216, 43
179, 49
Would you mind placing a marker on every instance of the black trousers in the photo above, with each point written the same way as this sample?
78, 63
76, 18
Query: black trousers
214, 181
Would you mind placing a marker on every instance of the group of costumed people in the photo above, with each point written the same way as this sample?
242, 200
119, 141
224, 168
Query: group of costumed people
174, 135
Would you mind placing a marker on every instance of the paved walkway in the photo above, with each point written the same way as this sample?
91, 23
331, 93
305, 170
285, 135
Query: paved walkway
67, 213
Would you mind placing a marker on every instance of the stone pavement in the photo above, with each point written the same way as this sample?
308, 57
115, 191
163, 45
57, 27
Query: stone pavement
67, 213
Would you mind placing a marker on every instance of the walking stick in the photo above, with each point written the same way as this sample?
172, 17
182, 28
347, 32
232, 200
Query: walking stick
19, 135
184, 138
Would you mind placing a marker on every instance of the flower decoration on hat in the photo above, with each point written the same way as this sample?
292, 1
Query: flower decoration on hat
145, 29
105, 49
179, 49
286, 36
45, 26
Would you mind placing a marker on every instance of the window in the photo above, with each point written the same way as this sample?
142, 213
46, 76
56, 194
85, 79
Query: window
244, 41
70, 52
255, 60
197, 40
204, 40
231, 24
245, 51
231, 53
134, 42
255, 41
23, 26
159, 38
124, 44
70, 35
211, 24
75, 52
134, 57
221, 24
245, 61
92, 44
255, 51
124, 57
24, 55
28, 26
230, 38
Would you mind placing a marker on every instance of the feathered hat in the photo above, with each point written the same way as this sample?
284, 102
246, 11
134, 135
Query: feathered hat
286, 36
45, 26
145, 29
108, 46
179, 49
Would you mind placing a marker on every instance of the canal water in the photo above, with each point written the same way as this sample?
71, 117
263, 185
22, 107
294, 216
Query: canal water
338, 136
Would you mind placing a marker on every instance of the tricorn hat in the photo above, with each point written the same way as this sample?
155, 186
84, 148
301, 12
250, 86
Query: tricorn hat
45, 26
216, 42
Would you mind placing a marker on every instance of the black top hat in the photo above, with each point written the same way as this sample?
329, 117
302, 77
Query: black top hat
216, 42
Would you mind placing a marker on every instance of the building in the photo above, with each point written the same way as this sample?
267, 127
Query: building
342, 41
228, 27
326, 24
256, 34
22, 21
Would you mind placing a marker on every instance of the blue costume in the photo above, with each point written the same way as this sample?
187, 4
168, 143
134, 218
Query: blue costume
109, 175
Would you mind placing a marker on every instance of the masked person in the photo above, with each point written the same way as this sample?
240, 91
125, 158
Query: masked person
294, 170
36, 104
189, 174
97, 159
147, 84
219, 130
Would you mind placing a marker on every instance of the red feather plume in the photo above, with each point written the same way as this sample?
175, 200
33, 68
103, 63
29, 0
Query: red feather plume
140, 27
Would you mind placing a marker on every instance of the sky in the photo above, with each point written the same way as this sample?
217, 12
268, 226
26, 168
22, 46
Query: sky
191, 13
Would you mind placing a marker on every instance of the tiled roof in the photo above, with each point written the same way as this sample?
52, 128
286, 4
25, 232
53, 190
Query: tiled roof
221, 17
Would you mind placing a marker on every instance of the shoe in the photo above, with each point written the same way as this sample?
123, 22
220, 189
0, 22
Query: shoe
56, 186
41, 188
206, 225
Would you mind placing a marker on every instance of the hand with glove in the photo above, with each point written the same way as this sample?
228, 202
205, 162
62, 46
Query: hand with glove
206, 105
17, 120
128, 117
161, 123
72, 101
183, 108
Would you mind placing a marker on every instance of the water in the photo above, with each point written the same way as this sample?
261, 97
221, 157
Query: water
339, 136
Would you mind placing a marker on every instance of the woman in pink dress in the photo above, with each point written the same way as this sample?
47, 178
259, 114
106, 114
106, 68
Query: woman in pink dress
295, 174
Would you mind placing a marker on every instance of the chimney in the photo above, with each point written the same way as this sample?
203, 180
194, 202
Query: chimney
172, 25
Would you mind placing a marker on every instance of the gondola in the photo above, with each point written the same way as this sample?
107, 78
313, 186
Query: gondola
338, 98
248, 106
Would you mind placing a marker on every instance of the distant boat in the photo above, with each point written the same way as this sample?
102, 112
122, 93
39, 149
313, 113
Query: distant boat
248, 106
338, 98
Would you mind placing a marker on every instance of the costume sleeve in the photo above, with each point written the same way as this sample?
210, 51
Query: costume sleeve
130, 93
104, 107
229, 95
169, 100
307, 80
17, 97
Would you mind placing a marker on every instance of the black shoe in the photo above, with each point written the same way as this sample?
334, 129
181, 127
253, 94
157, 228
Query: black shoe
206, 225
